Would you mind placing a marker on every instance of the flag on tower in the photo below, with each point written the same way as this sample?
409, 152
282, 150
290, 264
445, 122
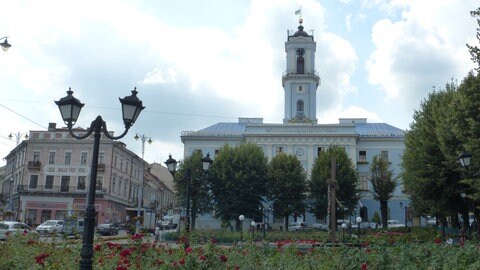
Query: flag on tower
298, 12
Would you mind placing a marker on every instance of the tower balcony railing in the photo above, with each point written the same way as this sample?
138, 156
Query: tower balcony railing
292, 76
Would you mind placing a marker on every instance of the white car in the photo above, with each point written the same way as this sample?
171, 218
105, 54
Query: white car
51, 226
298, 226
392, 223
8, 228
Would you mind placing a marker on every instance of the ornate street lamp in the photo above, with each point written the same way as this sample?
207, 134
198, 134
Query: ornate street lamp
70, 108
188, 177
142, 189
5, 45
464, 158
253, 224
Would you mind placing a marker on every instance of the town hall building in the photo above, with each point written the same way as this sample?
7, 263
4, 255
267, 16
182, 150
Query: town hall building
301, 135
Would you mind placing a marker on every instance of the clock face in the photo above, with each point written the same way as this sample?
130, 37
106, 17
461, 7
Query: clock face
300, 51
299, 152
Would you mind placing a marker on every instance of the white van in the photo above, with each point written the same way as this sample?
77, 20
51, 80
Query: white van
73, 227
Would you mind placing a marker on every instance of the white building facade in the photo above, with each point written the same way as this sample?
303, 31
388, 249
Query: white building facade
302, 136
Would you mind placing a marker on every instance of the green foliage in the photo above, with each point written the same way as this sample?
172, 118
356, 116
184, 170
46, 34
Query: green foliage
200, 202
346, 177
383, 184
286, 186
376, 217
474, 50
238, 181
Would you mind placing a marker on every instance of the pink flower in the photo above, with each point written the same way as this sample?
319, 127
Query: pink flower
364, 266
188, 249
223, 258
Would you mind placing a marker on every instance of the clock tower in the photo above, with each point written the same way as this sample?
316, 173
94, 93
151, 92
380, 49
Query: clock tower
300, 81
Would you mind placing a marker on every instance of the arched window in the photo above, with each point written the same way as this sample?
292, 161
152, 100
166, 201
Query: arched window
300, 107
300, 65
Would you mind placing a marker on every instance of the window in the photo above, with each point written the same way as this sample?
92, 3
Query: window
363, 183
115, 162
49, 182
81, 182
114, 182
101, 158
83, 158
36, 156
279, 150
51, 158
121, 164
320, 150
125, 189
300, 107
126, 166
33, 181
384, 155
120, 187
300, 65
99, 182
65, 184
216, 151
68, 158
362, 156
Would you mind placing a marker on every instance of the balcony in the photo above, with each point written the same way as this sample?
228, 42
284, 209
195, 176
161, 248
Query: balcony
48, 189
34, 165
101, 167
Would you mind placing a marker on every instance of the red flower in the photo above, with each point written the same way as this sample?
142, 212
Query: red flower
202, 257
159, 262
40, 259
438, 240
188, 249
137, 236
121, 267
223, 258
364, 266
214, 241
125, 252
181, 261
98, 247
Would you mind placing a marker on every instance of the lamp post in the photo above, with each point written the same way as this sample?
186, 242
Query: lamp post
344, 226
142, 188
5, 45
253, 224
359, 220
405, 213
241, 218
18, 136
70, 108
188, 177
10, 198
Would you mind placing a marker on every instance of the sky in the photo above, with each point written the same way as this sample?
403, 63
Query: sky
199, 62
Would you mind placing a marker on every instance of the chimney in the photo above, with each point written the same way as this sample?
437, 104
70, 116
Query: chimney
52, 126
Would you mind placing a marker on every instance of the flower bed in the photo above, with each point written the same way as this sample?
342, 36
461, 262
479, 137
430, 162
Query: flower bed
288, 254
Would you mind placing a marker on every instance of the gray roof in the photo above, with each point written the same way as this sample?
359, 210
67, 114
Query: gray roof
378, 130
223, 128
362, 129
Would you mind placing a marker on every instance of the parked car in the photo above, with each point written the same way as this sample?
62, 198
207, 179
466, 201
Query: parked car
13, 227
392, 223
167, 223
298, 226
320, 226
366, 225
107, 229
50, 226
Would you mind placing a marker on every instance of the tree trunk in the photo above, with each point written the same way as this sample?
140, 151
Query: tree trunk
384, 213
286, 222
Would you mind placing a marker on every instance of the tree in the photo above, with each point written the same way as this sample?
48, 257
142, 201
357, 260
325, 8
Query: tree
346, 177
474, 50
383, 185
200, 199
286, 186
238, 182
431, 172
